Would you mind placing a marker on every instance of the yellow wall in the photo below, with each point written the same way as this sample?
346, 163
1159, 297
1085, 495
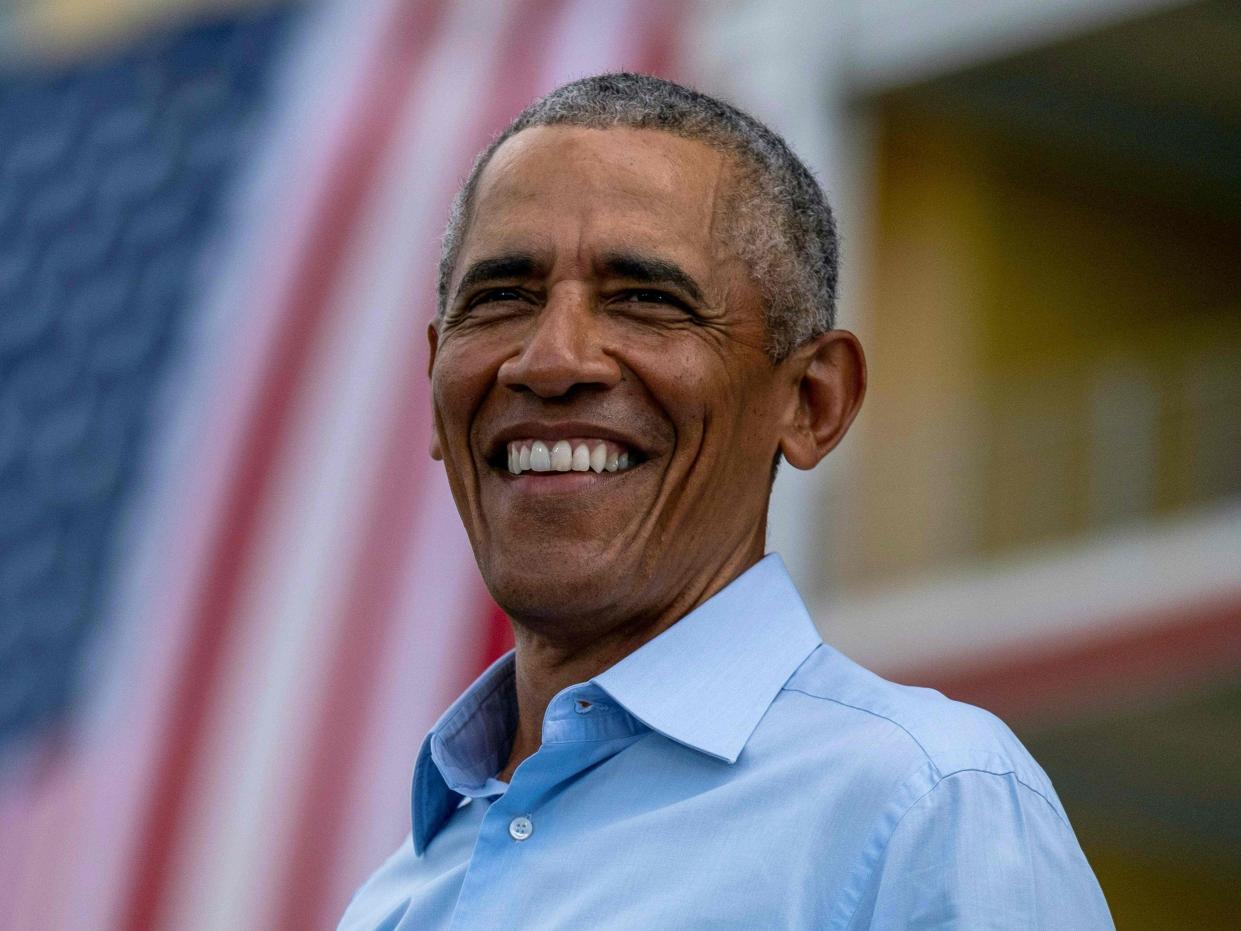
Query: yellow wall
1054, 348
1159, 891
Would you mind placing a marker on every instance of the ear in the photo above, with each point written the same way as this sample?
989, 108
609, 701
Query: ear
433, 342
829, 379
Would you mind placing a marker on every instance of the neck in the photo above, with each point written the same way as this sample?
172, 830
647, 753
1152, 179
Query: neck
546, 665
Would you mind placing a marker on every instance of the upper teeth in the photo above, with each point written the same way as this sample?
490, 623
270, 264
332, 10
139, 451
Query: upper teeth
566, 456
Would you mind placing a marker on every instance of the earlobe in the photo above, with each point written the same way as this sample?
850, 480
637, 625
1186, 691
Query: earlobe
830, 381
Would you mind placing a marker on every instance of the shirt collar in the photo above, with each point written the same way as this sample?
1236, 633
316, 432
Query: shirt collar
705, 682
466, 746
708, 679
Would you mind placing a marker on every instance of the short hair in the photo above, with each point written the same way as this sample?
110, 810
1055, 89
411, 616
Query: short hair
781, 225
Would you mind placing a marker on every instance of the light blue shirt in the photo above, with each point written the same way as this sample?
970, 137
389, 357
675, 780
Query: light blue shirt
734, 772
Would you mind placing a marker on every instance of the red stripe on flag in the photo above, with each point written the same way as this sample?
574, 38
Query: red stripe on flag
364, 631
663, 23
302, 314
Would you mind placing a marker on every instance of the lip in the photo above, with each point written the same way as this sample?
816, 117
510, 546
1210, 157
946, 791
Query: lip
559, 485
550, 431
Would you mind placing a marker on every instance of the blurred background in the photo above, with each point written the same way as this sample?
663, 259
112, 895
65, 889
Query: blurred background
233, 589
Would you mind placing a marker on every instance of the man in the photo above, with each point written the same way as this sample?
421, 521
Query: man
635, 325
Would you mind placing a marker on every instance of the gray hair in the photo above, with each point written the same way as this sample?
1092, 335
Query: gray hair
781, 225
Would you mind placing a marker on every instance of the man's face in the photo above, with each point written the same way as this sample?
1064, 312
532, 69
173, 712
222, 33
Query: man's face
595, 315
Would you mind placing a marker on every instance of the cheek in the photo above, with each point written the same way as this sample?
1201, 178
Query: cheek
730, 422
459, 383
717, 401
687, 379
457, 391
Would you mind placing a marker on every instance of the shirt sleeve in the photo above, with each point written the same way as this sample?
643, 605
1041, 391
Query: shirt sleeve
982, 850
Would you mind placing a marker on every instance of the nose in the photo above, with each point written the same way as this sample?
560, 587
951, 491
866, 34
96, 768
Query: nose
561, 350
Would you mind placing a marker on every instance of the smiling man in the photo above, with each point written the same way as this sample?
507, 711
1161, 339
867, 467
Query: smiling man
635, 326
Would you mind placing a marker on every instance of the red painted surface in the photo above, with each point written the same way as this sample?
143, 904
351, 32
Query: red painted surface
1128, 660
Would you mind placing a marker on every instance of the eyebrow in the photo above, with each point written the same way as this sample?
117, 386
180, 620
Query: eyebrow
650, 270
497, 268
632, 266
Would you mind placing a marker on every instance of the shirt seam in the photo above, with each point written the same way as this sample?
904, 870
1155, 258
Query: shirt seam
931, 759
914, 804
883, 717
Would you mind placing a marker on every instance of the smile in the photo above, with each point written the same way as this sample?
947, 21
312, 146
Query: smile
578, 454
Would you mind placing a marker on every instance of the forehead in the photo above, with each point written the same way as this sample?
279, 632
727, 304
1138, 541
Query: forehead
555, 187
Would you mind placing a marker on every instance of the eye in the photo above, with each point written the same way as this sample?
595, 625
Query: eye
487, 307
648, 296
496, 295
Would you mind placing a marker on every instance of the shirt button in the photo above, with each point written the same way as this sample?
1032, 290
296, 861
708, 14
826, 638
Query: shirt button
520, 827
582, 706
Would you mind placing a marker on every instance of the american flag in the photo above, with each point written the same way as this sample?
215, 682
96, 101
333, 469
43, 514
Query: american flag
234, 591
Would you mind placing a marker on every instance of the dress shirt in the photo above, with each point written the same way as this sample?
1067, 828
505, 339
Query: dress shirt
733, 772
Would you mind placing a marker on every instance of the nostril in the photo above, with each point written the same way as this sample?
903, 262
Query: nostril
561, 350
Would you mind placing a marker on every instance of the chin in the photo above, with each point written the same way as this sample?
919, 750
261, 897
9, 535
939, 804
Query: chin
547, 594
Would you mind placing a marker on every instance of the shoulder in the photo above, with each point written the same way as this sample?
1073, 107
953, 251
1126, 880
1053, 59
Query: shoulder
958, 825
917, 732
